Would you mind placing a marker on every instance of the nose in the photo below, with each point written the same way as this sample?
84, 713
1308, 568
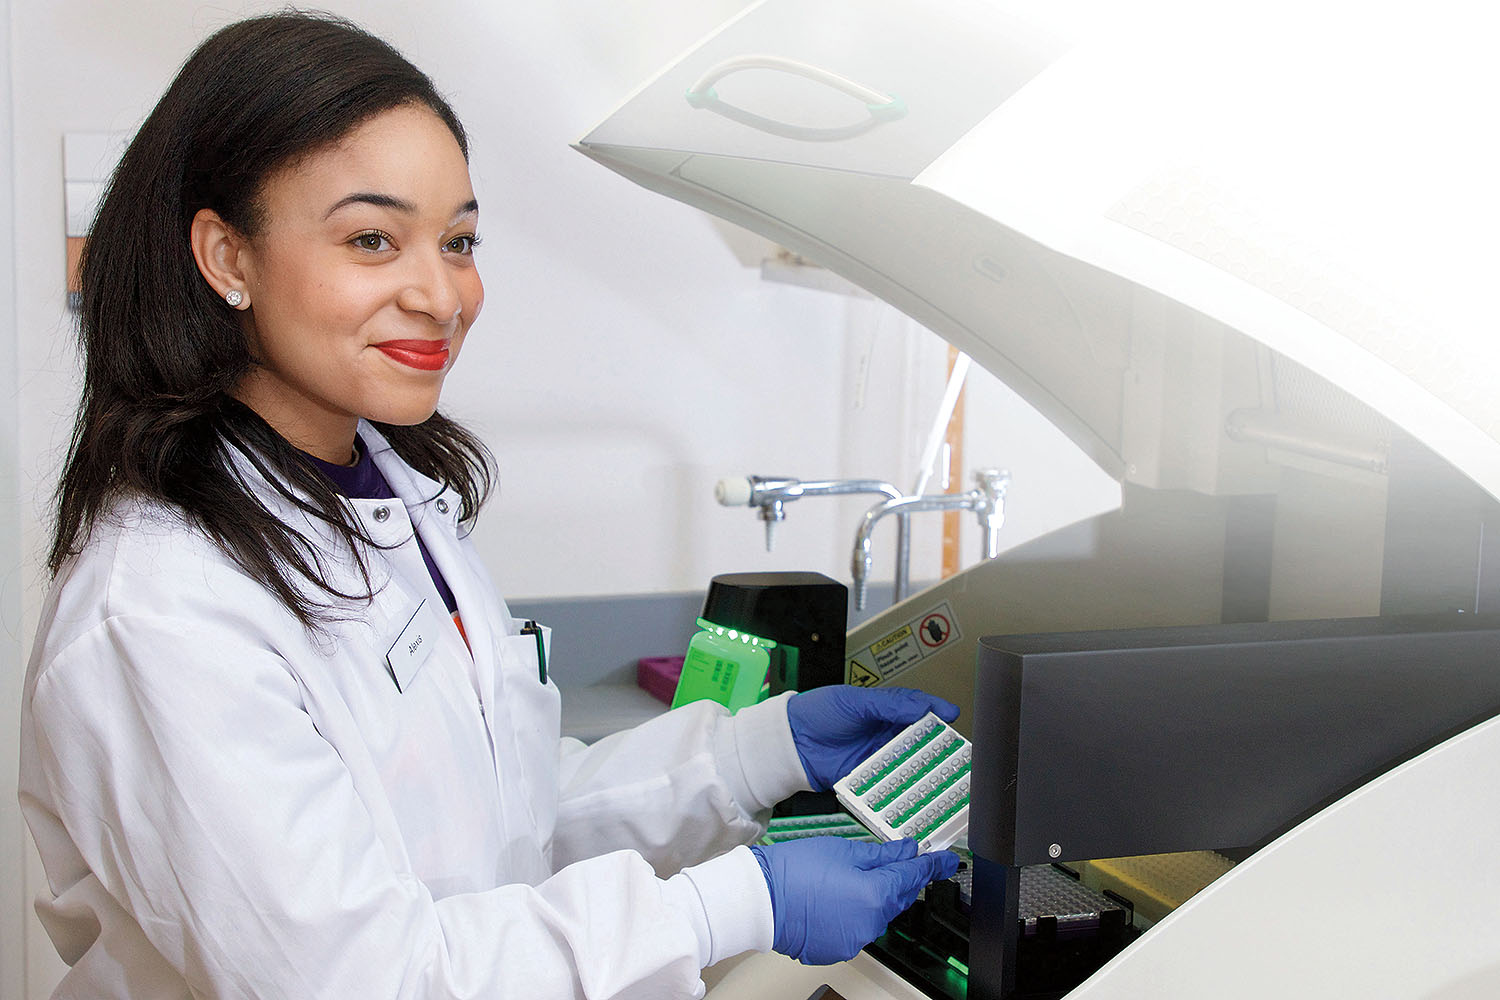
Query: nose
431, 288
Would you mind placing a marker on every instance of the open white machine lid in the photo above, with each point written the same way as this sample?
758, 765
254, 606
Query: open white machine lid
1157, 222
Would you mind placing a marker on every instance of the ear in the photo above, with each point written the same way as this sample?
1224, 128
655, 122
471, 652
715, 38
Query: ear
222, 256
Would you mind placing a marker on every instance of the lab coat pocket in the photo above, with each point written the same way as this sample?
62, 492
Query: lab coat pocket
530, 697
532, 709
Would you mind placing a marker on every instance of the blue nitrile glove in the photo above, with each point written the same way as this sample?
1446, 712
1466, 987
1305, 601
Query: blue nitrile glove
837, 727
830, 896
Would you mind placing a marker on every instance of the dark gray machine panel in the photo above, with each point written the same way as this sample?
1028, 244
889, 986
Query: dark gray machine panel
1143, 741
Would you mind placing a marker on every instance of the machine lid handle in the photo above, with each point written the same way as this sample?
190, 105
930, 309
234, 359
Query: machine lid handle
882, 107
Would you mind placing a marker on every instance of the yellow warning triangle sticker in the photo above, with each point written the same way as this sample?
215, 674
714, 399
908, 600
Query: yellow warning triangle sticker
862, 676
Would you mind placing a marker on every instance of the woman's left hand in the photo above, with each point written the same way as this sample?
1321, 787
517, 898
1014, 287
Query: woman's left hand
838, 726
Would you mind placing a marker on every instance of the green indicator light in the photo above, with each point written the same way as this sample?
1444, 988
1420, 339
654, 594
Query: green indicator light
736, 634
961, 967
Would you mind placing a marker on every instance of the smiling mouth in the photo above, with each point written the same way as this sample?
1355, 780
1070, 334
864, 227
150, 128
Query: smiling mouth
424, 355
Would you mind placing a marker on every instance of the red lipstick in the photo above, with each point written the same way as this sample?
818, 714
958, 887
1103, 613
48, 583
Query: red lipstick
425, 355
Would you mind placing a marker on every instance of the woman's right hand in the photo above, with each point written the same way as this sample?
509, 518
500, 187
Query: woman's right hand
830, 896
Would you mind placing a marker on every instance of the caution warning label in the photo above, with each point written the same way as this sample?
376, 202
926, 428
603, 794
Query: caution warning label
904, 648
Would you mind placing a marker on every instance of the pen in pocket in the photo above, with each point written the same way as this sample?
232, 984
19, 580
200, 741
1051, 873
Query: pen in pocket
532, 628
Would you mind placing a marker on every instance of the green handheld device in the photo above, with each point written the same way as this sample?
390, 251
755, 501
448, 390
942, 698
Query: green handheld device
724, 665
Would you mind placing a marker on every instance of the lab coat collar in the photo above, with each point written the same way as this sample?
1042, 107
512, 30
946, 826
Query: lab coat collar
427, 497
391, 527
416, 491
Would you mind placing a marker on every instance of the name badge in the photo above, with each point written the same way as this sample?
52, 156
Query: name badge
412, 646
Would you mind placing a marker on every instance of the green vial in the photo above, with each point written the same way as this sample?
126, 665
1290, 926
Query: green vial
724, 665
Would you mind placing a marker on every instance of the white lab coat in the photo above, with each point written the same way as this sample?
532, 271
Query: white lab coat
229, 806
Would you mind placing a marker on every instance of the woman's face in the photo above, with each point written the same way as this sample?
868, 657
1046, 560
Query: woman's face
361, 282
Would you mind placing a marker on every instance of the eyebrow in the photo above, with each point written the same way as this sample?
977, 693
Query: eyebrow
392, 202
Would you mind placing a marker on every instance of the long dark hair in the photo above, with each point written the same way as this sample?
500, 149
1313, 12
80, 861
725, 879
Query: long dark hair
162, 354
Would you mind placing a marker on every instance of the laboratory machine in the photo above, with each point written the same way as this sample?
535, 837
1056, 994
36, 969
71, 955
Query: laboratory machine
1242, 256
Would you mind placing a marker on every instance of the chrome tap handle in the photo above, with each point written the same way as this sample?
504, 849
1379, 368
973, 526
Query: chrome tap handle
735, 491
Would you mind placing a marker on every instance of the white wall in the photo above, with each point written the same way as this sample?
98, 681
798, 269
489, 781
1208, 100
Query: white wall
12, 842
627, 357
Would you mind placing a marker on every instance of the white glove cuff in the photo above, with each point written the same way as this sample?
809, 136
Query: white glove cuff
728, 904
769, 768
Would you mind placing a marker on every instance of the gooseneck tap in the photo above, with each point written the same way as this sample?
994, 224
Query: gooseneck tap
770, 494
987, 500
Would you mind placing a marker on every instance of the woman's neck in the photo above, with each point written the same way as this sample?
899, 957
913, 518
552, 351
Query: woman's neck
310, 428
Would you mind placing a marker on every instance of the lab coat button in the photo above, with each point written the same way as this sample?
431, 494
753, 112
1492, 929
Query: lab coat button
382, 513
442, 506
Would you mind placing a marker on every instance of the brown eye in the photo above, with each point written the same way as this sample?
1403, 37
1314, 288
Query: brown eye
461, 244
372, 241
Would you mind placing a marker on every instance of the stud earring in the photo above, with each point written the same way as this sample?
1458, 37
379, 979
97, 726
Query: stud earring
234, 298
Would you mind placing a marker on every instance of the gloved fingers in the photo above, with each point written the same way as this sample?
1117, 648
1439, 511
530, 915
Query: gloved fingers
922, 703
903, 705
911, 874
892, 851
836, 727
865, 855
943, 708
947, 863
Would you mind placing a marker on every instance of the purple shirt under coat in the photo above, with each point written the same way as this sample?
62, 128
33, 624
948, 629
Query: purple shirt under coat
363, 481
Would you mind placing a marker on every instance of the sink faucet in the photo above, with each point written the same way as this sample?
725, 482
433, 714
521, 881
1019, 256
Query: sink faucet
771, 494
987, 500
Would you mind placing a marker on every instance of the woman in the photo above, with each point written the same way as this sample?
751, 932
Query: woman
280, 736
